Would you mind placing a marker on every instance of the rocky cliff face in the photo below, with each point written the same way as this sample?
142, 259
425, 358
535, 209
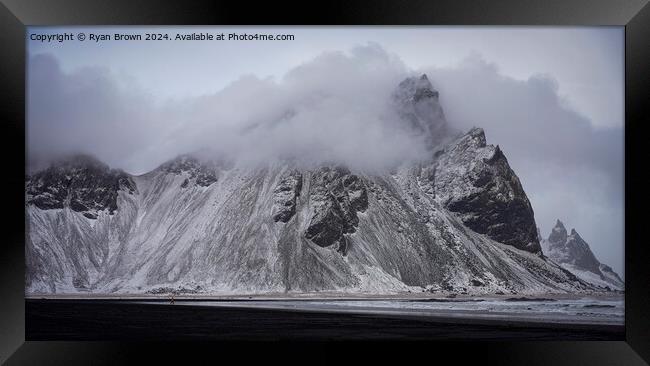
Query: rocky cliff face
336, 196
285, 196
572, 252
474, 180
458, 222
81, 183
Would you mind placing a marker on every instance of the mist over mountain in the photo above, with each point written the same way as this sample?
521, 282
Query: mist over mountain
336, 107
457, 221
339, 108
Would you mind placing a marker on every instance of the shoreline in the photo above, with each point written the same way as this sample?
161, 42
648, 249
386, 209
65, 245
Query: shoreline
323, 296
580, 310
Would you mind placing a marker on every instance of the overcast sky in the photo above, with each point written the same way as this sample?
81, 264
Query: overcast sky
552, 98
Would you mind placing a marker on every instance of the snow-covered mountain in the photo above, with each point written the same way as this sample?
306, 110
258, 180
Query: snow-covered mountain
574, 254
457, 222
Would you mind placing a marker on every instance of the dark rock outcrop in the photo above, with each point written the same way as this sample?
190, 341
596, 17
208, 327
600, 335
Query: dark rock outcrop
475, 181
336, 196
81, 183
201, 173
285, 195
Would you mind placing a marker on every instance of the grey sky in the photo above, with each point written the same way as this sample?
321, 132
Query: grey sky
551, 97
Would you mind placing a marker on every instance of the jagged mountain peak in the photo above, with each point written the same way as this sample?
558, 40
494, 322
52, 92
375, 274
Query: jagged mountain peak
475, 181
558, 233
474, 139
424, 89
417, 88
573, 252
417, 104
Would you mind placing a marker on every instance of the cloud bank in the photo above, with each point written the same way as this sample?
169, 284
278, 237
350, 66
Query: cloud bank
336, 107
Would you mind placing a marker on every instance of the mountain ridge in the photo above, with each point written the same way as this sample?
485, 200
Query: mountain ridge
457, 222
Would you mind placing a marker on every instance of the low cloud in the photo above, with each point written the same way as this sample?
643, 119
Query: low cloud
334, 107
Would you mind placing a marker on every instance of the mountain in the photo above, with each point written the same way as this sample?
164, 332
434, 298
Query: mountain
457, 222
574, 254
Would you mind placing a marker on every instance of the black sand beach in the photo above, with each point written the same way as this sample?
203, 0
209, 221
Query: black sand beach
82, 319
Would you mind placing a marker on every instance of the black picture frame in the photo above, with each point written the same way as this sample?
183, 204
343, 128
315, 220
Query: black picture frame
634, 15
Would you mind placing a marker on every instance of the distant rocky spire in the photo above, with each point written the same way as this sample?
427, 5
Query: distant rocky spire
558, 234
574, 250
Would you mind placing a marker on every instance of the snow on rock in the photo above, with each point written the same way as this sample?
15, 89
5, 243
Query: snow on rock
285, 195
475, 181
81, 183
